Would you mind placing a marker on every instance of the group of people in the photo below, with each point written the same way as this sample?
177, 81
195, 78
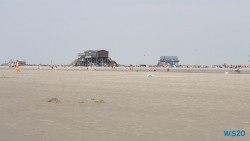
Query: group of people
152, 68
15, 65
90, 67
129, 68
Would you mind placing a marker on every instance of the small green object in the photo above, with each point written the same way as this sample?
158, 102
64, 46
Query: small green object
150, 75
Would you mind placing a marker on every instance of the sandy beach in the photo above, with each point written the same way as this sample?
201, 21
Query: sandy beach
122, 106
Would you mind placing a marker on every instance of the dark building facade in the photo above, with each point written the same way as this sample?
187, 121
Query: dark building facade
94, 57
168, 61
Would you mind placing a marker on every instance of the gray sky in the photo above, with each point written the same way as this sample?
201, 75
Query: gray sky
197, 31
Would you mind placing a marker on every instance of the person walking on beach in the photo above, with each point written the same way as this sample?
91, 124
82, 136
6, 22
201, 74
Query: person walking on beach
90, 67
39, 67
132, 67
154, 68
17, 66
113, 66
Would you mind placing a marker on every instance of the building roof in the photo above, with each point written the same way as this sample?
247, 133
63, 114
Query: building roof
169, 58
94, 50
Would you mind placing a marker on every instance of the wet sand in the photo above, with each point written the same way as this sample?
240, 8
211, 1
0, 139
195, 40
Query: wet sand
122, 106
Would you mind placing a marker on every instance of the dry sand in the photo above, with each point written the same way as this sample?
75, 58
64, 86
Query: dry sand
122, 106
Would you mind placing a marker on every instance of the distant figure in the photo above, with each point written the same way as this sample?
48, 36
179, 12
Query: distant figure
39, 67
90, 67
237, 71
13, 65
125, 68
154, 68
53, 67
131, 68
113, 66
17, 66
150, 69
10, 66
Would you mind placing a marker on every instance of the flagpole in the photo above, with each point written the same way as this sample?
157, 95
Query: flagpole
249, 61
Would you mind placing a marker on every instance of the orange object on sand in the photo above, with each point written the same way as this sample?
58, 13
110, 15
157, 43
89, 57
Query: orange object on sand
17, 67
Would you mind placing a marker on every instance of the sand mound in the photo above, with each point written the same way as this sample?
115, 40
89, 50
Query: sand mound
92, 100
54, 100
97, 101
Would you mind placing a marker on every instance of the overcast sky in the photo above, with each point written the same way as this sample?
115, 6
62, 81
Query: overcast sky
133, 31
